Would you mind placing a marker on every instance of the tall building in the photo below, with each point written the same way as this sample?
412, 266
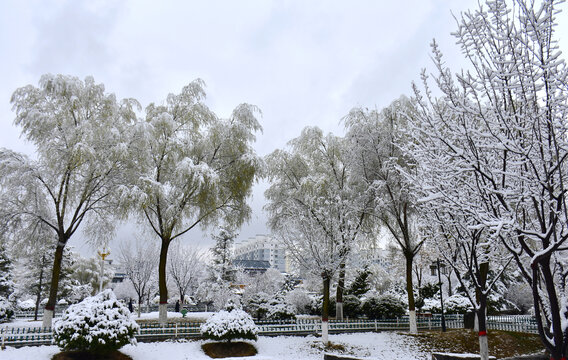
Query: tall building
264, 248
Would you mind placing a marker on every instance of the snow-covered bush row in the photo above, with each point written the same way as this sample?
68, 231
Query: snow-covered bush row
230, 325
26, 305
262, 306
455, 304
6, 311
280, 310
98, 324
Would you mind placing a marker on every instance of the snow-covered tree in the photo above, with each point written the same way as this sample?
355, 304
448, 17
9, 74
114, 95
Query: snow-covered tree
223, 252
6, 309
503, 122
6, 274
464, 245
191, 168
315, 206
375, 138
33, 262
86, 273
81, 141
360, 284
186, 266
139, 260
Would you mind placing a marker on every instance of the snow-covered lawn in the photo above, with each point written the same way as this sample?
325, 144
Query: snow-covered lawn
384, 346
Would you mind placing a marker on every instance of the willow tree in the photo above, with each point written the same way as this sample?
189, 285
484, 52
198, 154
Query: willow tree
315, 206
81, 141
375, 138
191, 168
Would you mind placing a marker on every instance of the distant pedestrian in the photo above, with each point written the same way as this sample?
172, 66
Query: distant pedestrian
130, 305
177, 306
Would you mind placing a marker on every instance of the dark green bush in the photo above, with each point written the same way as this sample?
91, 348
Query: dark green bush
351, 306
383, 307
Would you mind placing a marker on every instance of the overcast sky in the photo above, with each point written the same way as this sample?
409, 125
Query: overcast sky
303, 63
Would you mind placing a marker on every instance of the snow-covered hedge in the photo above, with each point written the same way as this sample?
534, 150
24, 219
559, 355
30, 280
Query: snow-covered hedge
455, 304
6, 311
26, 305
230, 325
281, 311
98, 324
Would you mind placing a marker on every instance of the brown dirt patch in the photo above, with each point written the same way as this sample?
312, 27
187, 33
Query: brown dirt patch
84, 355
502, 344
228, 349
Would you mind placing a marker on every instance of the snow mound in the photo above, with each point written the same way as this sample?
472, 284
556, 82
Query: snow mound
97, 324
229, 325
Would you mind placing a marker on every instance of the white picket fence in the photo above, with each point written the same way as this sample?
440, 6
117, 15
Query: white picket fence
517, 323
154, 331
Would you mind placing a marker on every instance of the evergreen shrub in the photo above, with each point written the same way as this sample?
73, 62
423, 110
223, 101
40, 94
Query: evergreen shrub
99, 324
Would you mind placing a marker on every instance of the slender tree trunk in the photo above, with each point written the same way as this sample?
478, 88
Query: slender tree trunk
140, 300
449, 277
39, 287
325, 309
162, 284
410, 290
339, 293
481, 312
56, 272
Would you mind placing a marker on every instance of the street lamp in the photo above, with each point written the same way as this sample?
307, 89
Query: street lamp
103, 254
440, 266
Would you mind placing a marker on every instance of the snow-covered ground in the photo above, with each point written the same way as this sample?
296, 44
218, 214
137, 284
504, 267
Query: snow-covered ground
385, 345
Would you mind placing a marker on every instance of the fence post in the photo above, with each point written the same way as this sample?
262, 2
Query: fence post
176, 330
430, 323
376, 326
3, 338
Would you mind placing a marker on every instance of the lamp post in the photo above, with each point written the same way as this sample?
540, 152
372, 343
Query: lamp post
103, 254
440, 267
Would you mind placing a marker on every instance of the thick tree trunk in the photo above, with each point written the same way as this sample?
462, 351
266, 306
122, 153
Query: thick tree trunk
483, 343
557, 345
162, 284
325, 310
339, 293
410, 291
56, 273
